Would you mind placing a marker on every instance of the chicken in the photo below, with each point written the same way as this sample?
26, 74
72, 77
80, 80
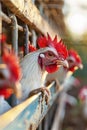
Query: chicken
63, 73
31, 48
65, 78
10, 73
37, 64
4, 106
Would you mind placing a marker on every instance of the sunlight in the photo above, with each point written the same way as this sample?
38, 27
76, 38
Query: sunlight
76, 17
82, 2
77, 23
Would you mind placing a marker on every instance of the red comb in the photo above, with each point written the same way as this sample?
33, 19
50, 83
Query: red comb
32, 48
2, 38
11, 60
73, 53
44, 41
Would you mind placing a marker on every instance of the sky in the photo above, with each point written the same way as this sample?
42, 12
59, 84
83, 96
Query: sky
75, 12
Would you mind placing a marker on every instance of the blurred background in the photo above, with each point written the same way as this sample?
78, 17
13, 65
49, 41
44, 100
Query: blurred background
69, 19
75, 17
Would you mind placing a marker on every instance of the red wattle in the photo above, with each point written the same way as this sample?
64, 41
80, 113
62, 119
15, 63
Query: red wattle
51, 68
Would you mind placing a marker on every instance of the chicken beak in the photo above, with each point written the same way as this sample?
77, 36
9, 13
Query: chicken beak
64, 63
80, 66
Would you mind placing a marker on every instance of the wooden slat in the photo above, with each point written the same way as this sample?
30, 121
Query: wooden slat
28, 13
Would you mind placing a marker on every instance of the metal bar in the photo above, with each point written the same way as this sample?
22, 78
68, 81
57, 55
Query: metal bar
59, 113
33, 1
50, 117
26, 39
34, 37
20, 28
12, 100
29, 113
5, 18
41, 10
0, 20
8, 20
46, 122
30, 15
14, 34
1, 45
40, 126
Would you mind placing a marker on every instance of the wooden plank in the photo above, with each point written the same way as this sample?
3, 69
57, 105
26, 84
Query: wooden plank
28, 114
28, 13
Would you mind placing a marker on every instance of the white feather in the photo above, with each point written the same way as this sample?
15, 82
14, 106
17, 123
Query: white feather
33, 76
60, 75
4, 106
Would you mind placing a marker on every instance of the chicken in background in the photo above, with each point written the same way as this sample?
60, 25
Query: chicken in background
83, 100
10, 74
63, 73
37, 64
66, 80
70, 82
31, 48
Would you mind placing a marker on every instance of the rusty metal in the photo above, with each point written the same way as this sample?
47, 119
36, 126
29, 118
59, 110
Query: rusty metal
26, 39
40, 126
46, 122
34, 37
28, 115
1, 45
20, 28
5, 18
8, 20
14, 34
0, 30
33, 1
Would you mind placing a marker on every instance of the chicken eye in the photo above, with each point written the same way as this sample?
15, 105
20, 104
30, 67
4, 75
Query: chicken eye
50, 54
71, 61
